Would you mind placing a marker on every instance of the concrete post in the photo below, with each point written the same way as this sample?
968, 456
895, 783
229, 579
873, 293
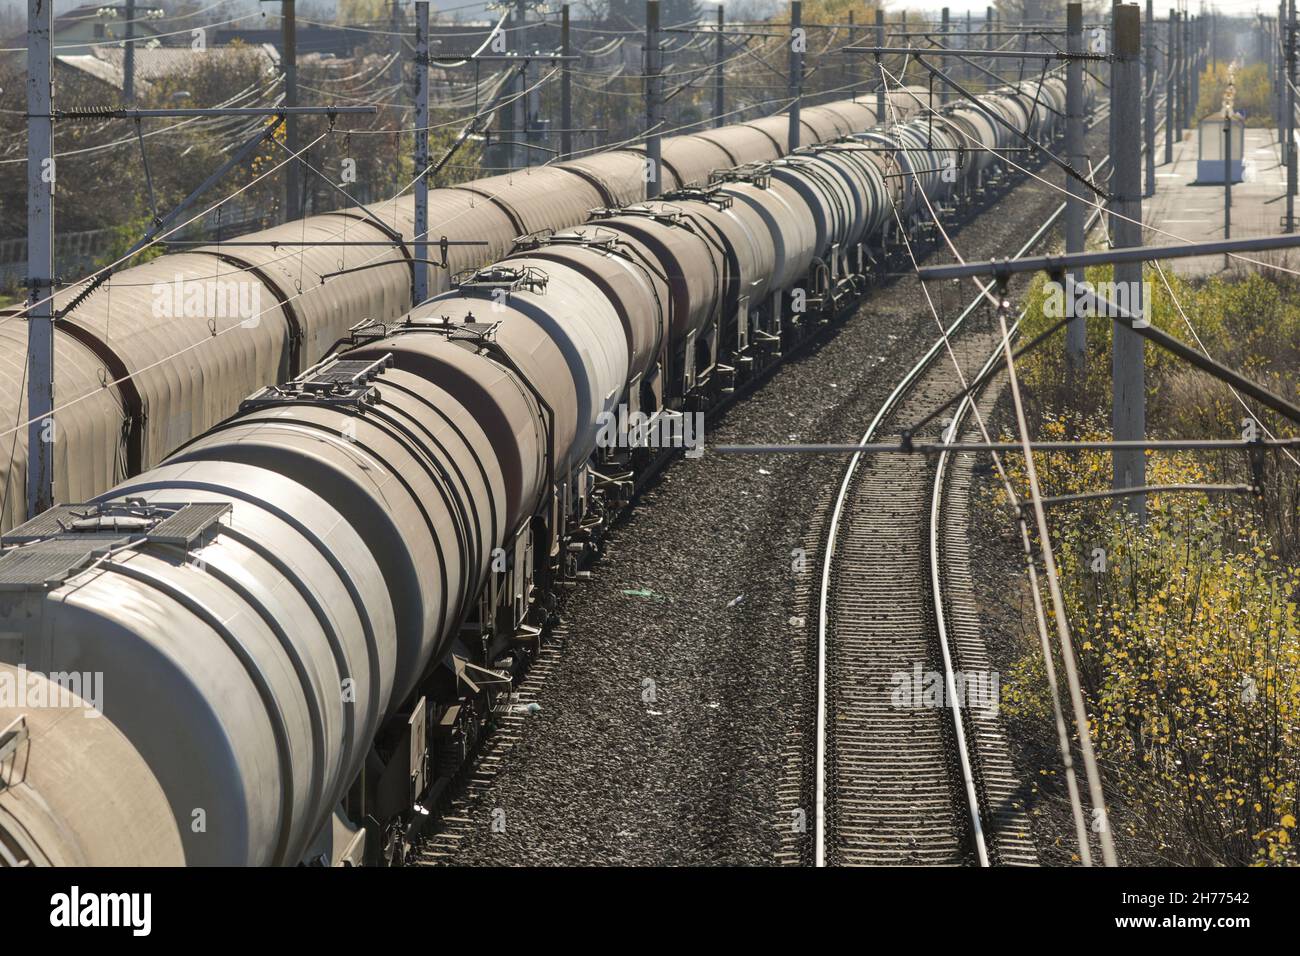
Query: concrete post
652, 119
1128, 412
40, 261
566, 86
1149, 101
1076, 332
420, 287
719, 74
796, 69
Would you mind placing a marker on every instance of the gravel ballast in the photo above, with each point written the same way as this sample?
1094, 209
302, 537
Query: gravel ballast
662, 736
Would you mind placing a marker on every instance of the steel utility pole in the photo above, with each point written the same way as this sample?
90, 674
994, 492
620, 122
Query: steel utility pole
719, 72
652, 118
566, 87
851, 85
395, 28
969, 41
1288, 119
420, 287
943, 28
128, 56
1227, 179
1170, 85
1110, 75
1185, 97
1128, 371
1278, 68
1149, 100
292, 169
881, 109
518, 153
988, 28
1076, 331
796, 69
40, 261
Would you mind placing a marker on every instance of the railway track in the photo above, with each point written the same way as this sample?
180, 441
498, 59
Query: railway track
912, 767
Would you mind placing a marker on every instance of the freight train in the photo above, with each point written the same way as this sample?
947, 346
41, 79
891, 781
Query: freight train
162, 351
278, 645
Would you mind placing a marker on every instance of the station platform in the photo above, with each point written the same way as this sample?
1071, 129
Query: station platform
1187, 210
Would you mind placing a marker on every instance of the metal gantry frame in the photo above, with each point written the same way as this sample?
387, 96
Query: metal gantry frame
1056, 266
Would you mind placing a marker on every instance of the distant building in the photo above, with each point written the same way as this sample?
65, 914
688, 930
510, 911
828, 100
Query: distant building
106, 64
310, 38
78, 31
82, 31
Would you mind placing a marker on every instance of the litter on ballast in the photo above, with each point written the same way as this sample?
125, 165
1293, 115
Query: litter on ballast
646, 594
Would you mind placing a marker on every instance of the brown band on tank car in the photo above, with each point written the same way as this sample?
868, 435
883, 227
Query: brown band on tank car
120, 377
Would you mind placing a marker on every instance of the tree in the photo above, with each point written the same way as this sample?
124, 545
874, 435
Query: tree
1030, 11
671, 12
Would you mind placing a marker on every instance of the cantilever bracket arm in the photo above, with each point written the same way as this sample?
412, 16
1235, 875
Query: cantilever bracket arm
1188, 354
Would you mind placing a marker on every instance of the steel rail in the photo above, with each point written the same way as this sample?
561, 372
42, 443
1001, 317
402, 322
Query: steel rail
940, 615
901, 390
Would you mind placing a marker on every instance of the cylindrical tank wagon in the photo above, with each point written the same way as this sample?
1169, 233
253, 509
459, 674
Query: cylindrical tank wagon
303, 610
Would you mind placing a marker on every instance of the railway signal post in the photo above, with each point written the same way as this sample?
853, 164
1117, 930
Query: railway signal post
1128, 371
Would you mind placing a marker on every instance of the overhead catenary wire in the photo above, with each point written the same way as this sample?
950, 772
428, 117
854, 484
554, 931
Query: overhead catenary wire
163, 236
63, 406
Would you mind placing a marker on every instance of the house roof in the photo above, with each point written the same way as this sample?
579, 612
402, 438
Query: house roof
143, 27
107, 63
